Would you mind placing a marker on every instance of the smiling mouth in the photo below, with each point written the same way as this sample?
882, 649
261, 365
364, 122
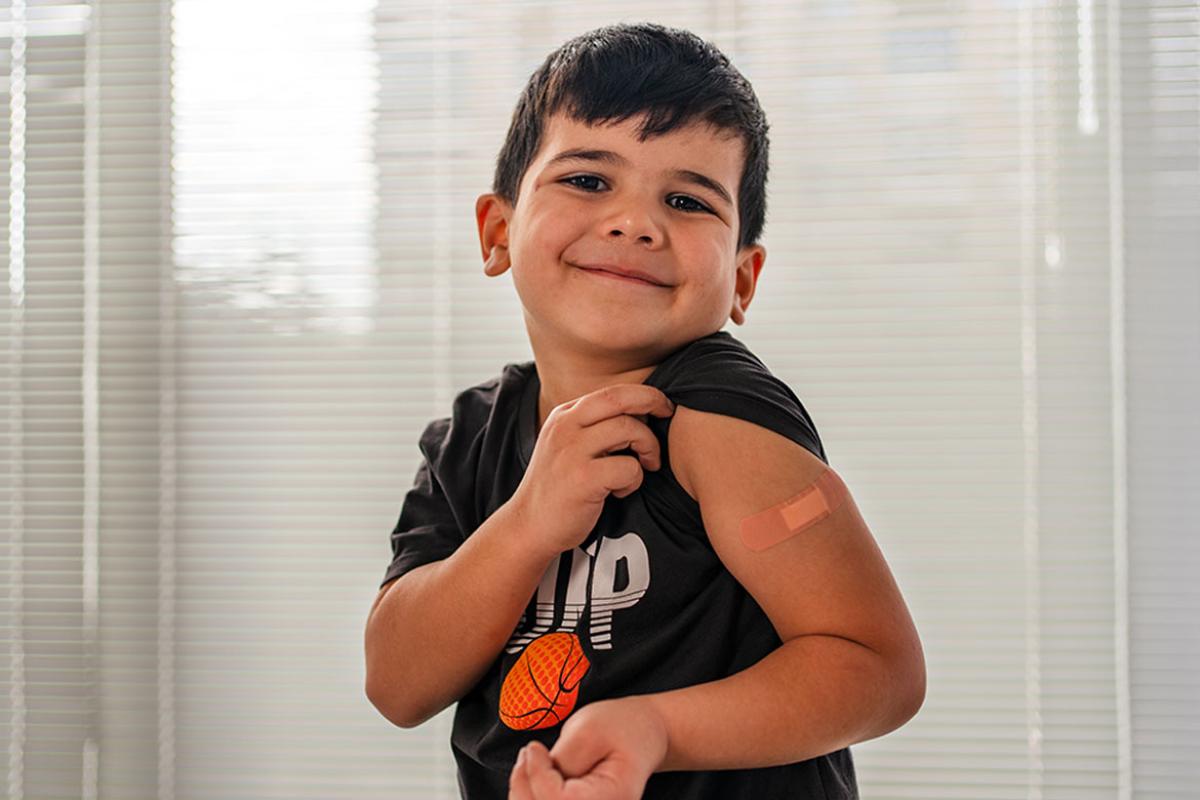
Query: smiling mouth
614, 276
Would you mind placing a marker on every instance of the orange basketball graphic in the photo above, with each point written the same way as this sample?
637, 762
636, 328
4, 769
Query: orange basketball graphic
541, 688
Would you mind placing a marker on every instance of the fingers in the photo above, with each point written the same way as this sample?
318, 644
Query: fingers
626, 433
518, 782
605, 423
534, 776
614, 418
621, 398
544, 777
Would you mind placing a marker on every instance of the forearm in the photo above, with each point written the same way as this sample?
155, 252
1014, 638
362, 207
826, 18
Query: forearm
811, 696
439, 627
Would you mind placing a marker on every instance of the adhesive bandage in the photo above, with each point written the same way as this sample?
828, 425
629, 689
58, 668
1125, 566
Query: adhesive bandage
787, 519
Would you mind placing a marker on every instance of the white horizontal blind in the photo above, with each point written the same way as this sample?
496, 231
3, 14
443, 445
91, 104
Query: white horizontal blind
87, 220
1157, 164
242, 273
304, 372
48, 468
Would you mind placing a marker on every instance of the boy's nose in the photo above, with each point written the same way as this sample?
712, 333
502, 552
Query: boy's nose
636, 221
644, 237
643, 231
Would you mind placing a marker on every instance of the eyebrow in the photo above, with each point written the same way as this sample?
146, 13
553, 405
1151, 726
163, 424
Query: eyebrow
610, 157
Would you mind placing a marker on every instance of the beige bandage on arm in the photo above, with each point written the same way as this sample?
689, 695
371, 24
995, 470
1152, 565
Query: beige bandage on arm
799, 512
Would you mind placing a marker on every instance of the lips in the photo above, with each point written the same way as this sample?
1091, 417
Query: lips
623, 272
613, 277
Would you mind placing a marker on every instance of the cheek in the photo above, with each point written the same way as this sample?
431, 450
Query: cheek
544, 239
721, 274
720, 291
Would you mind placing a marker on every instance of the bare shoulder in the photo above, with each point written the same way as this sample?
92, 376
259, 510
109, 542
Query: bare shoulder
698, 440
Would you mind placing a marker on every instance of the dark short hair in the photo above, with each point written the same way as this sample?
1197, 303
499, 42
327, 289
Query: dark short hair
619, 71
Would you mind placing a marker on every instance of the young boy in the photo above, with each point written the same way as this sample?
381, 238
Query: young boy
627, 560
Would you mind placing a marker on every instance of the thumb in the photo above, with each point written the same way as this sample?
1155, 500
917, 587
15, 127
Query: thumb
575, 754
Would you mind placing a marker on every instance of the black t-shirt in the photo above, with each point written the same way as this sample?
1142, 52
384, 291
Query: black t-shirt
645, 596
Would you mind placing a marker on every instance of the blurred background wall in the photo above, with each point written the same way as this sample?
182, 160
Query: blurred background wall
241, 272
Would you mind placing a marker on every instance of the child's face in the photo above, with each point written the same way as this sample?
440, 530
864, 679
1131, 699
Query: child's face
634, 214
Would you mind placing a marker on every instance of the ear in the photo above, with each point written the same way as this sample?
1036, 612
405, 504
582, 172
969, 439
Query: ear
492, 214
750, 261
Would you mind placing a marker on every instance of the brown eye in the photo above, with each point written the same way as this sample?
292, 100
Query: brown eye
699, 206
579, 178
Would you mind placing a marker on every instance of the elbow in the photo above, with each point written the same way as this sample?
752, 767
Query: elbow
397, 687
384, 698
902, 679
917, 698
384, 689
393, 696
912, 689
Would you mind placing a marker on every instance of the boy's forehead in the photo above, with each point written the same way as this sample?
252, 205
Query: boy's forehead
562, 132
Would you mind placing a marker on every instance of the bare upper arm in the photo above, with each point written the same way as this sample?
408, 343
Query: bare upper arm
829, 579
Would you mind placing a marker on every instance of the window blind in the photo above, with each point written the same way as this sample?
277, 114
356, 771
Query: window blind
242, 273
